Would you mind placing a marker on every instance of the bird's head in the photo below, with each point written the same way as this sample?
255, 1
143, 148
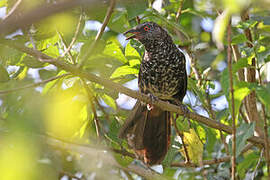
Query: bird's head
147, 32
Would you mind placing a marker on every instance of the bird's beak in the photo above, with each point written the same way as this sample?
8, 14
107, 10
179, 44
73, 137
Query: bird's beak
133, 31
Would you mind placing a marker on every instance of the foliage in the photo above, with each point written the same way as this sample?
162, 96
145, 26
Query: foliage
76, 111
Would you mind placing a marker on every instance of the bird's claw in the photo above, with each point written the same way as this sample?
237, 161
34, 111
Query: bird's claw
153, 100
184, 109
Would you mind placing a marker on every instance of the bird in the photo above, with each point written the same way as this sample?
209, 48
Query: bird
162, 75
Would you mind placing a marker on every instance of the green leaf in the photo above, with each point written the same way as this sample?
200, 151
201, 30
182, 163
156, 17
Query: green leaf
113, 49
3, 3
4, 77
9, 56
243, 132
118, 22
250, 159
131, 53
49, 46
264, 94
32, 62
53, 84
239, 39
247, 24
241, 90
172, 152
134, 7
194, 146
241, 63
220, 27
109, 101
124, 70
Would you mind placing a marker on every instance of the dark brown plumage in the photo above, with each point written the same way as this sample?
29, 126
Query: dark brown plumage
162, 75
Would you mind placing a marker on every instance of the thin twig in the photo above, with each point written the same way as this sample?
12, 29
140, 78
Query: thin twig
229, 55
179, 12
252, 109
266, 141
205, 162
33, 85
65, 47
193, 65
74, 37
257, 165
12, 10
181, 135
210, 162
226, 147
116, 87
32, 40
107, 116
100, 32
90, 97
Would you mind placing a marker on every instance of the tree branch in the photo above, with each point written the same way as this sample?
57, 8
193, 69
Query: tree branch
229, 56
33, 85
100, 32
252, 110
15, 22
116, 87
102, 155
210, 162
179, 11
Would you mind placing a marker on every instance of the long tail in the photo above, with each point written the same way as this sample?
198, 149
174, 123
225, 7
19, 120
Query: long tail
148, 133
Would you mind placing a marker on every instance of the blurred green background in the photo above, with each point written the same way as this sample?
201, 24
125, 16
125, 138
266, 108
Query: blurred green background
56, 125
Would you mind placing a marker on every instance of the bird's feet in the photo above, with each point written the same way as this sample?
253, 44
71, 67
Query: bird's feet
184, 109
153, 100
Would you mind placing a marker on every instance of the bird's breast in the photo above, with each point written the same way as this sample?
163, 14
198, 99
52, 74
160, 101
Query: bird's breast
161, 75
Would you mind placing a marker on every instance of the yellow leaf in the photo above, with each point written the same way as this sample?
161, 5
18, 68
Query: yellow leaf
194, 146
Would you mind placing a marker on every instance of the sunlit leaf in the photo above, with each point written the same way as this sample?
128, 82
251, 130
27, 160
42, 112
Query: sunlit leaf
131, 53
124, 70
194, 146
241, 90
18, 158
235, 6
65, 113
55, 83
109, 101
3, 3
112, 49
220, 27
247, 24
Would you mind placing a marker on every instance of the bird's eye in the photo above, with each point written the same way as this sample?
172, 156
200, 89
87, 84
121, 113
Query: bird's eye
146, 28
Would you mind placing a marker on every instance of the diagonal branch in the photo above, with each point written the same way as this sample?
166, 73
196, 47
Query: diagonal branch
74, 37
229, 55
100, 32
13, 23
101, 154
119, 88
33, 85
